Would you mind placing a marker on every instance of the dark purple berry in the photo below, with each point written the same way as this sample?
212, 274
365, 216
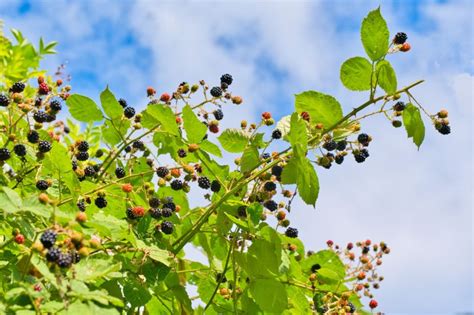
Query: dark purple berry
216, 91
291, 232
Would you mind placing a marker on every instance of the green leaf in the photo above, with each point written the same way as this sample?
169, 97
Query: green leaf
91, 269
386, 77
110, 105
135, 293
298, 135
83, 108
195, 129
307, 182
414, 124
255, 211
270, 295
162, 115
356, 74
289, 174
375, 35
326, 259
58, 160
155, 253
250, 159
233, 140
210, 147
238, 222
10, 201
322, 108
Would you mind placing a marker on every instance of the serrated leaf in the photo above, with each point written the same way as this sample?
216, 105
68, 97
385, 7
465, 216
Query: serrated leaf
10, 201
414, 124
233, 140
210, 147
250, 159
155, 115
83, 108
270, 295
238, 222
307, 182
375, 35
195, 129
135, 293
322, 108
356, 74
386, 77
298, 135
110, 105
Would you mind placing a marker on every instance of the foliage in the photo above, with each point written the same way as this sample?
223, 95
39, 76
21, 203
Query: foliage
96, 214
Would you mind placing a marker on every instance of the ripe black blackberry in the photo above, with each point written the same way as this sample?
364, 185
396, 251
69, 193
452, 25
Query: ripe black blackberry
18, 87
64, 260
40, 116
33, 136
81, 205
55, 105
276, 134
123, 102
74, 165
277, 170
4, 154
97, 167
365, 250
182, 153
129, 112
444, 129
89, 171
162, 171
138, 145
218, 114
330, 145
221, 278
339, 159
53, 254
44, 146
365, 153
170, 205
242, 211
42, 185
270, 205
130, 215
155, 213
48, 238
215, 186
166, 212
291, 232
19, 149
269, 186
265, 156
176, 184
352, 308
50, 117
363, 139
341, 145
315, 267
400, 38
4, 101
82, 156
128, 149
154, 202
399, 106
204, 182
167, 227
120, 172
83, 146
100, 202
216, 91
75, 257
359, 157
227, 79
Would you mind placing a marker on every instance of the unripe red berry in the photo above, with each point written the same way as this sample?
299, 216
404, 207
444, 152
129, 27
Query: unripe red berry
361, 275
266, 115
175, 172
368, 242
224, 291
330, 243
373, 304
305, 116
150, 91
405, 47
19, 238
165, 97
59, 82
178, 120
37, 287
281, 215
214, 128
138, 211
81, 217
127, 188
350, 246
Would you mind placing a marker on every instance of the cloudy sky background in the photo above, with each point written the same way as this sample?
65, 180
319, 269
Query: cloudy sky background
419, 202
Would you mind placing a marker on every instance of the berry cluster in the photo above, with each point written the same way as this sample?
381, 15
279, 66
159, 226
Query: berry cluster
62, 247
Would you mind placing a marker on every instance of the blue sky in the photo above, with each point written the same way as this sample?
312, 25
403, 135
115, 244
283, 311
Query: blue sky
420, 202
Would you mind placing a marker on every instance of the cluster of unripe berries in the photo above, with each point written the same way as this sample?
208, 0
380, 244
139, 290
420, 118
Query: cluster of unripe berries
400, 42
337, 150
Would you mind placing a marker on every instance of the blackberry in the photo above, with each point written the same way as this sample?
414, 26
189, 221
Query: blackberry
218, 114
120, 172
215, 186
64, 260
363, 139
82, 156
138, 145
40, 116
339, 159
97, 167
170, 205
444, 129
4, 154
44, 146
83, 146
204, 182
48, 238
50, 117
66, 129
177, 184
227, 79
74, 165
162, 171
182, 153
270, 205
130, 214
100, 202
216, 91
359, 157
166, 212
265, 156
123, 102
221, 278
365, 250
75, 257
291, 232
33, 136
315, 267
129, 112
269, 186
19, 150
277, 170
128, 149
154, 202
330, 145
242, 211
365, 153
399, 106
167, 227
155, 213
276, 134
341, 145
4, 101
18, 87
53, 254
352, 308
400, 38
81, 205
38, 102
42, 185
89, 171
55, 105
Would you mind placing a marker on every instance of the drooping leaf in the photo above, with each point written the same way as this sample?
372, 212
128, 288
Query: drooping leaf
83, 108
356, 74
375, 35
414, 124
322, 108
